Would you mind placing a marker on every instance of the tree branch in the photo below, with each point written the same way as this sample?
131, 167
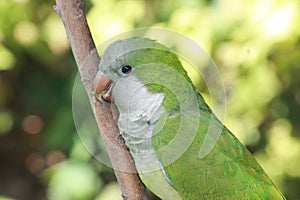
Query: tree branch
87, 59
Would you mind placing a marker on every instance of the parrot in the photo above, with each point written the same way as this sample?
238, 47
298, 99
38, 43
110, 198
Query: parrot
164, 121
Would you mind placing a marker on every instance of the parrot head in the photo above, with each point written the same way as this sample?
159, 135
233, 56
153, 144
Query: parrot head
129, 67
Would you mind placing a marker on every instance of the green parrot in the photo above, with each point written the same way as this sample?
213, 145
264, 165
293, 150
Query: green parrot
165, 122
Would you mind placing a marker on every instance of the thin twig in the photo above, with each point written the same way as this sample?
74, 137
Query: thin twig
72, 15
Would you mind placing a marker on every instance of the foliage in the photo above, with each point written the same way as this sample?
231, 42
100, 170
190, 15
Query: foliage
255, 44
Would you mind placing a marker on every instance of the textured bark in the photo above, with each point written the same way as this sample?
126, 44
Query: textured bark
73, 17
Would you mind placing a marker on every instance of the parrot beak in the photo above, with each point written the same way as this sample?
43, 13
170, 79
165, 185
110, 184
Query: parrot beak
103, 87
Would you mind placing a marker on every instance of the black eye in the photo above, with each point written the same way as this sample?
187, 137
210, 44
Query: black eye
126, 69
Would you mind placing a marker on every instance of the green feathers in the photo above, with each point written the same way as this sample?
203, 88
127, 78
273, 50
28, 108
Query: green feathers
229, 171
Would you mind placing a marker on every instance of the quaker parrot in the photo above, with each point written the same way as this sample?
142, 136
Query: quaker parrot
164, 120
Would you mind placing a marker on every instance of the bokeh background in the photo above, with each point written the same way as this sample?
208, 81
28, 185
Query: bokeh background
255, 44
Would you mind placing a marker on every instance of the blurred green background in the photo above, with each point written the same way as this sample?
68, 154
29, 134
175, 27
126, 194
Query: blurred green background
255, 44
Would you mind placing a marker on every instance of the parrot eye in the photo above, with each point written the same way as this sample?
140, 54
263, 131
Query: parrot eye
125, 69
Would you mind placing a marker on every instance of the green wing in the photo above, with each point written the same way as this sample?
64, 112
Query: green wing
229, 171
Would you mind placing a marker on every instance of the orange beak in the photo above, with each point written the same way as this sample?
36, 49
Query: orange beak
103, 87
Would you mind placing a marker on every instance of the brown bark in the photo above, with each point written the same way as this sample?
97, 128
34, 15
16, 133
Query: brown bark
73, 17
